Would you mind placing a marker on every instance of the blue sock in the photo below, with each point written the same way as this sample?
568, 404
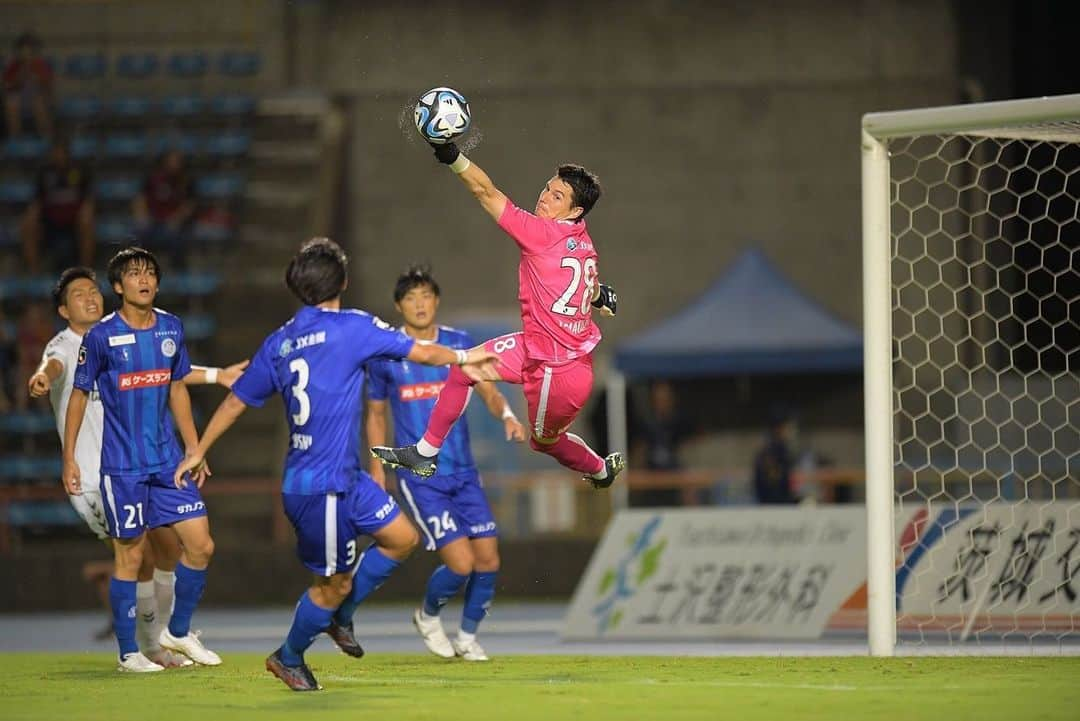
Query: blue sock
308, 622
372, 571
188, 589
441, 587
478, 596
122, 602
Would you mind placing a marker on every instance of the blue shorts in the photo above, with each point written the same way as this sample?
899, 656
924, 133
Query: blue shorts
328, 525
134, 503
448, 507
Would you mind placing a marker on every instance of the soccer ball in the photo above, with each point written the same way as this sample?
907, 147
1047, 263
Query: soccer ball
441, 114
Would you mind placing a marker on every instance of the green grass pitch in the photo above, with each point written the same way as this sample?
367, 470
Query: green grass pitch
398, 687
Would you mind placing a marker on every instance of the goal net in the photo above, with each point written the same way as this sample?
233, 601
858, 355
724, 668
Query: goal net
971, 252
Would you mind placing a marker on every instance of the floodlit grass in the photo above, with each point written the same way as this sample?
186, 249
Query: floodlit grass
397, 687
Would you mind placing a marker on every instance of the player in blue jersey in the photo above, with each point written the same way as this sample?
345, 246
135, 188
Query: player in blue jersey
137, 360
316, 362
450, 507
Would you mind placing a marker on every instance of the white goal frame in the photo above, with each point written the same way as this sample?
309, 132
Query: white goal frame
1006, 118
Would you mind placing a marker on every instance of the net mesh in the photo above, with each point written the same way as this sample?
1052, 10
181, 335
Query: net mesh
986, 382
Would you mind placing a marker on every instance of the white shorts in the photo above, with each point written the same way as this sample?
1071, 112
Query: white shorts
89, 506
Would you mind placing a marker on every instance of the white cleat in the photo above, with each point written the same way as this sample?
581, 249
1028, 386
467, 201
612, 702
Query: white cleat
431, 631
470, 650
137, 663
168, 659
190, 646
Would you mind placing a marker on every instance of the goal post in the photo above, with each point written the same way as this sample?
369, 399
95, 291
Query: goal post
971, 249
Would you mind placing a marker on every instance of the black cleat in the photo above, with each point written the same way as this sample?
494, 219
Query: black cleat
408, 458
298, 678
615, 464
345, 640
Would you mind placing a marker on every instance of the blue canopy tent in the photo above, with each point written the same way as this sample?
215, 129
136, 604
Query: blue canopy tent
752, 320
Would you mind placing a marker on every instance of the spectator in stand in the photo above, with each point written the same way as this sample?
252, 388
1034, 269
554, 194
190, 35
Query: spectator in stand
774, 463
60, 219
659, 434
28, 84
165, 208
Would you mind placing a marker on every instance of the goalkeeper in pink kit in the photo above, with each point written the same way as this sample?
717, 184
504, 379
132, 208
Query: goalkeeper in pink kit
558, 287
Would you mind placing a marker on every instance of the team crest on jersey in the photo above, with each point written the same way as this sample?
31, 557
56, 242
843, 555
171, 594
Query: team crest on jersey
286, 347
571, 244
168, 347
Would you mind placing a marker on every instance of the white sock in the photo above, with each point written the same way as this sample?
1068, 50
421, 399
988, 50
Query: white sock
163, 595
426, 449
465, 638
601, 474
146, 627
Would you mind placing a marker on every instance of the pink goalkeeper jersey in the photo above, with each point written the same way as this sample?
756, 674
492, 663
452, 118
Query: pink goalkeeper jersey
556, 279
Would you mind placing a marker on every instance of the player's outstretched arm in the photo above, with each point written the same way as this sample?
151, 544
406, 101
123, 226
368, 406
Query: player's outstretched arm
475, 179
225, 377
498, 406
477, 363
49, 370
226, 414
375, 432
72, 424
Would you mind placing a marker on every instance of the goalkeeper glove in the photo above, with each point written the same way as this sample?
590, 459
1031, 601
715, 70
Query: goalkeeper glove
606, 300
446, 153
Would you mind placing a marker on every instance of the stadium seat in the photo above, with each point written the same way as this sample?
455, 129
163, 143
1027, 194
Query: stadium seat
9, 240
191, 283
130, 106
188, 65
211, 233
182, 105
16, 191
118, 188
232, 104
239, 63
25, 468
85, 66
186, 143
220, 185
80, 107
25, 147
42, 513
228, 144
115, 229
84, 147
199, 326
27, 423
137, 65
125, 146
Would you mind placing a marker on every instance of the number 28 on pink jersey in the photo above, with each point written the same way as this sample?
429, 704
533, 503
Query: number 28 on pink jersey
557, 277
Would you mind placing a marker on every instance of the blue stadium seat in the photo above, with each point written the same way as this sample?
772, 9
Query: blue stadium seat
137, 65
188, 65
85, 66
25, 468
16, 191
199, 326
27, 423
9, 240
84, 147
191, 283
118, 188
130, 106
42, 513
122, 145
228, 144
182, 105
80, 107
115, 229
239, 63
232, 104
220, 185
25, 147
186, 143
211, 233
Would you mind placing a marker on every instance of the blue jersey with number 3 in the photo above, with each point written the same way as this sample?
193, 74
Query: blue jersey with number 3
316, 362
412, 389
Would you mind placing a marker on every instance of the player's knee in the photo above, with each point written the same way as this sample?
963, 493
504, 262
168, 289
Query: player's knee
200, 552
543, 445
487, 562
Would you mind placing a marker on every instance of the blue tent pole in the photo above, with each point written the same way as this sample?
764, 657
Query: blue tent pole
617, 435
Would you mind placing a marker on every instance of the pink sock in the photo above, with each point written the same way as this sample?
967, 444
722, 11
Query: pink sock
448, 408
571, 452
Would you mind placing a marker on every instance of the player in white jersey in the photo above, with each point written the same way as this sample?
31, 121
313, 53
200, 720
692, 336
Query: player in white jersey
78, 300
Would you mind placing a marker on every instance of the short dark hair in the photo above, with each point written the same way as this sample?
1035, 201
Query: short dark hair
414, 277
318, 271
27, 39
69, 276
128, 257
586, 187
